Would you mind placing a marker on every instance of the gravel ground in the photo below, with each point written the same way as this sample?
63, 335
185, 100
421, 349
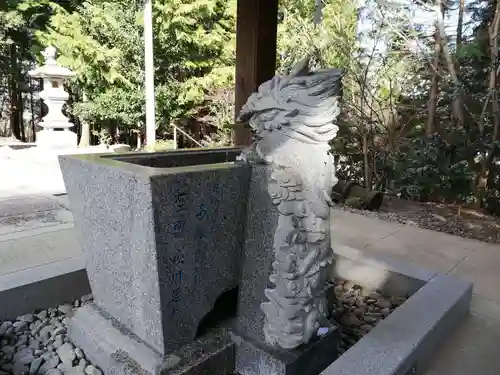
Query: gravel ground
487, 230
356, 310
37, 343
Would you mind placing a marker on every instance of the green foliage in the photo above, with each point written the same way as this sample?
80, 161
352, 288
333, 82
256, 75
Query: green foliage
330, 44
102, 41
161, 145
470, 51
430, 168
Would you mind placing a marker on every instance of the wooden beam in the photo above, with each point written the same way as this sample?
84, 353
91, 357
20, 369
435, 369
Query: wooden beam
257, 23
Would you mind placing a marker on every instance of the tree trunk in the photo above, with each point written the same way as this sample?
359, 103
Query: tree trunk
456, 106
366, 161
13, 94
20, 113
433, 95
85, 130
32, 107
460, 24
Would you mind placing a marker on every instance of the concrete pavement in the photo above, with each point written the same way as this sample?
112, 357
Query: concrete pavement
35, 230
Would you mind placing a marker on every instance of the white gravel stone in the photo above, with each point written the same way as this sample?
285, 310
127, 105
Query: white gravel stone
92, 370
79, 353
9, 350
29, 318
64, 367
24, 356
65, 309
4, 326
384, 304
87, 298
35, 365
46, 332
20, 326
59, 330
36, 327
19, 369
66, 353
51, 362
75, 371
54, 371
34, 344
22, 341
42, 315
46, 356
57, 344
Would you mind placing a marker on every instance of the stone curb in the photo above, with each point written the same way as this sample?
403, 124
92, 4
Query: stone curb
403, 343
12, 236
42, 287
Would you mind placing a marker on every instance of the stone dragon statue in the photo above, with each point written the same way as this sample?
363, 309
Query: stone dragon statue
292, 118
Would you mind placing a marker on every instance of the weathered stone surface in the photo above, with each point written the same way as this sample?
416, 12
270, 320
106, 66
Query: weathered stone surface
20, 326
51, 362
26, 318
4, 327
24, 356
35, 365
259, 236
113, 350
249, 328
19, 368
66, 353
253, 358
65, 309
158, 241
293, 119
92, 370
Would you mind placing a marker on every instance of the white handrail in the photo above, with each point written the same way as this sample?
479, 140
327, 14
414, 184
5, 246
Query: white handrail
186, 134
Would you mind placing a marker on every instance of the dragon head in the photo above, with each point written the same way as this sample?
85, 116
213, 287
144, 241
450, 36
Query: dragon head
302, 104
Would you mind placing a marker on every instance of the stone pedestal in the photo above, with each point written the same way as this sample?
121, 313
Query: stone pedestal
116, 351
253, 355
162, 235
56, 140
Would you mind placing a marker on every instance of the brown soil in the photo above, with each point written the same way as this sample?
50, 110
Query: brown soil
448, 218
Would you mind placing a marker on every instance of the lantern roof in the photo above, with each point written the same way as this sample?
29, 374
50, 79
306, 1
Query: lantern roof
51, 69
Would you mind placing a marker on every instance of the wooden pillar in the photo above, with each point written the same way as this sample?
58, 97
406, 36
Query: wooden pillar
256, 31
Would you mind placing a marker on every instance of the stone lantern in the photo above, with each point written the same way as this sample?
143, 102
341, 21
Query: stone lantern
56, 133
